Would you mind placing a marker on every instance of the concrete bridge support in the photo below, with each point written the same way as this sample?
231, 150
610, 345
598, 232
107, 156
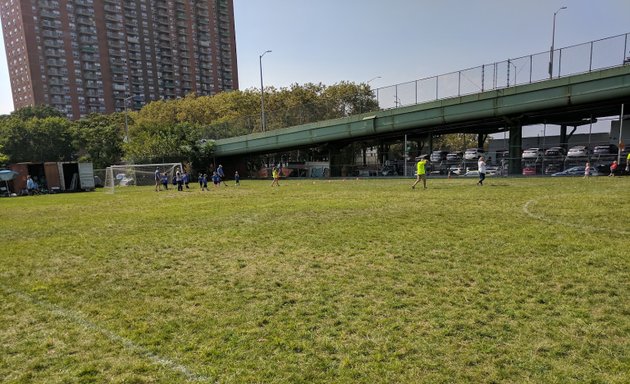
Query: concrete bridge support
516, 144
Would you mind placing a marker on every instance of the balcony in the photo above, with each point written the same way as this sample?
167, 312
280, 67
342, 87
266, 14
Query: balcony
83, 11
44, 13
114, 18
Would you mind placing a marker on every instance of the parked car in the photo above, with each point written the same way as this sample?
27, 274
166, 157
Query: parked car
533, 154
438, 156
456, 171
529, 170
474, 173
573, 171
492, 171
552, 168
605, 150
389, 170
454, 156
555, 152
473, 153
98, 183
578, 151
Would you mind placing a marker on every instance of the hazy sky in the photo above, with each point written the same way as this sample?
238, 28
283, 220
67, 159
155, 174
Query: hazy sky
330, 41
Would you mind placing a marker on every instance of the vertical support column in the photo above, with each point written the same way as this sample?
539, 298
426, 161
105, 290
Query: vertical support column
481, 139
516, 143
563, 136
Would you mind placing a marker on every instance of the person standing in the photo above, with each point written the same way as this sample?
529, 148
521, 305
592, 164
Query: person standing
421, 173
216, 180
613, 168
221, 175
158, 179
275, 173
203, 181
186, 179
237, 179
587, 170
628, 162
165, 181
31, 186
481, 166
180, 181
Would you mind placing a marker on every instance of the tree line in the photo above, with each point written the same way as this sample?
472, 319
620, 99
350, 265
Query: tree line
172, 130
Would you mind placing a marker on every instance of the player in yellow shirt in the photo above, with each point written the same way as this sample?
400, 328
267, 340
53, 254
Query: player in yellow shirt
275, 173
421, 173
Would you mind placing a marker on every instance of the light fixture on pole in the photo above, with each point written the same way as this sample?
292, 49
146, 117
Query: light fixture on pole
262, 93
553, 37
372, 79
126, 123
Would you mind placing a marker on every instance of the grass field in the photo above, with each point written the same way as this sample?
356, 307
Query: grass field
356, 281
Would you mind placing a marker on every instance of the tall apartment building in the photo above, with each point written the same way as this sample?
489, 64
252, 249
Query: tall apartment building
86, 56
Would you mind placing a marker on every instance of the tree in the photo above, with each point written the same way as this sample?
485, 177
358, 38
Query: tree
160, 142
40, 111
455, 141
37, 139
99, 139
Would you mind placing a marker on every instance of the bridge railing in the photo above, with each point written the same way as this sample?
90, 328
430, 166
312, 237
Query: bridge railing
582, 58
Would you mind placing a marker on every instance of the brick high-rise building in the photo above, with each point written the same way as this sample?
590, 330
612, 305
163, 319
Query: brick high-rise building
85, 56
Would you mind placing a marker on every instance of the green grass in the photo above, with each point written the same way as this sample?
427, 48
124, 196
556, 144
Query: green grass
356, 281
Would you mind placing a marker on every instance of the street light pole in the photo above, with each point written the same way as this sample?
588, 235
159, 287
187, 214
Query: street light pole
262, 93
553, 37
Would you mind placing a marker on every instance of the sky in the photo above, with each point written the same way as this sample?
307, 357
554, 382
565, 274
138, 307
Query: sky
396, 41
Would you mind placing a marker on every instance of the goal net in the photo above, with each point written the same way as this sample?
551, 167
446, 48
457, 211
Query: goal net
117, 176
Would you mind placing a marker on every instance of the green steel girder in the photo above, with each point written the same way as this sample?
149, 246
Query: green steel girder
551, 96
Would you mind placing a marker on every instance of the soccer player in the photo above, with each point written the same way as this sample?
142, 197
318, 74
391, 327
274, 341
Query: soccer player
221, 175
421, 173
275, 173
481, 167
216, 180
165, 181
237, 179
203, 180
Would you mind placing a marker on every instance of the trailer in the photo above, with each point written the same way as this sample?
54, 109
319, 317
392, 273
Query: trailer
55, 177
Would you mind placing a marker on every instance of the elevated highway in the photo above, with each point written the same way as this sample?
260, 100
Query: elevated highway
564, 101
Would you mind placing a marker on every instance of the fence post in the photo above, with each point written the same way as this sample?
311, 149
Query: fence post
416, 91
625, 49
531, 69
483, 76
560, 62
437, 79
459, 83
590, 64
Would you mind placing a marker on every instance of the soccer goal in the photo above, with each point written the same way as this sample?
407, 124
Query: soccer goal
117, 176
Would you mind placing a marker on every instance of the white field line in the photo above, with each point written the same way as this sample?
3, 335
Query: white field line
583, 227
77, 318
